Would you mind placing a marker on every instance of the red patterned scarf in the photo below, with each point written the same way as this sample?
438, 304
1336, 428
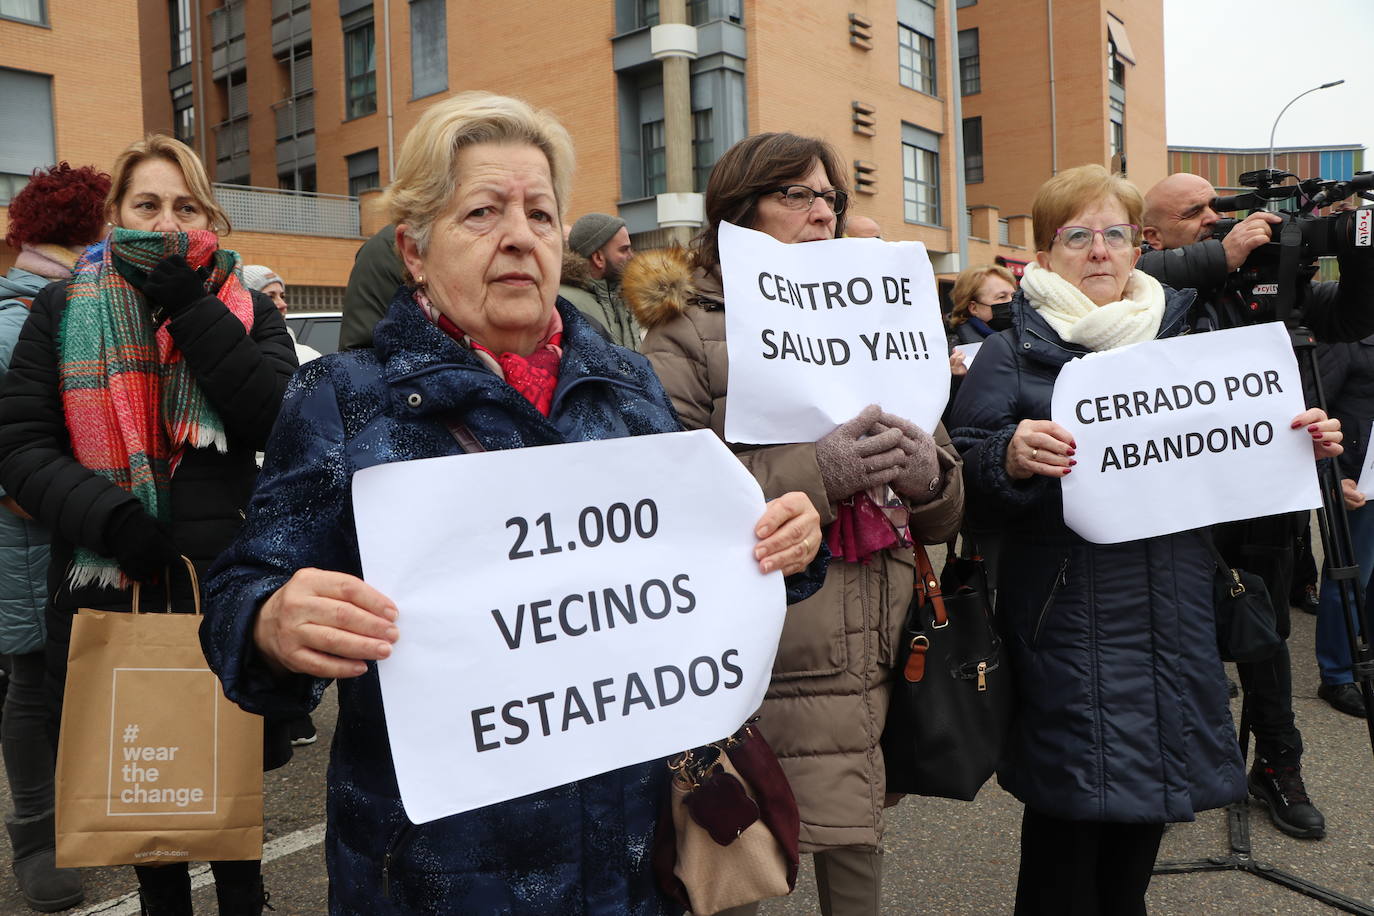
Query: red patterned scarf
534, 376
129, 400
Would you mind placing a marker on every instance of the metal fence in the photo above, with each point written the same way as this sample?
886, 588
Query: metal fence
290, 212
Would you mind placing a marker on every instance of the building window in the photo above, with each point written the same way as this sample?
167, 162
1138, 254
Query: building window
363, 172
25, 98
646, 13
920, 175
179, 16
428, 47
655, 154
703, 149
915, 59
1117, 110
1116, 67
360, 70
25, 10
970, 71
973, 150
299, 180
184, 115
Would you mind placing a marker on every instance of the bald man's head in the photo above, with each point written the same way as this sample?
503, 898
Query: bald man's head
1178, 211
862, 227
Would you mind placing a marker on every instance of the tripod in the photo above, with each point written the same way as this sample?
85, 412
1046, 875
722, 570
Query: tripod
1343, 571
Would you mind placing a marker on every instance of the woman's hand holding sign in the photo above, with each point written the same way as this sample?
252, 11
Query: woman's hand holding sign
789, 534
1039, 447
326, 624
1325, 431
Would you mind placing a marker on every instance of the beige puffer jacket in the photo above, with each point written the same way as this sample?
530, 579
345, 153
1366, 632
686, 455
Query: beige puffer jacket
828, 700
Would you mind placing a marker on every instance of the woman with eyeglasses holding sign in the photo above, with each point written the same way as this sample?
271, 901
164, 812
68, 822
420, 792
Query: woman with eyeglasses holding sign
1122, 723
826, 706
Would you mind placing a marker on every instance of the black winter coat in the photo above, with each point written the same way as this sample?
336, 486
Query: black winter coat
242, 375
1347, 371
1122, 703
1332, 311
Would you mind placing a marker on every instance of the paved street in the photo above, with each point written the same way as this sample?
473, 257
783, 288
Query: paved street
943, 857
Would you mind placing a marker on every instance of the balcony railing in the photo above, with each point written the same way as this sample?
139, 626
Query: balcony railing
290, 212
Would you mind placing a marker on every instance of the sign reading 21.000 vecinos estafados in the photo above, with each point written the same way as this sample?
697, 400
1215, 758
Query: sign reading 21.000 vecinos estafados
564, 611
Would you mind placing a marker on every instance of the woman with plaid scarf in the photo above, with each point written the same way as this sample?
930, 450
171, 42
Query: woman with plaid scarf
137, 396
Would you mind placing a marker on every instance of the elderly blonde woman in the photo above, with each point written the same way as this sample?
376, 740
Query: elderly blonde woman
1123, 721
477, 339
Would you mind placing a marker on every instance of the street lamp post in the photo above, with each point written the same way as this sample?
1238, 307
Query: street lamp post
1289, 105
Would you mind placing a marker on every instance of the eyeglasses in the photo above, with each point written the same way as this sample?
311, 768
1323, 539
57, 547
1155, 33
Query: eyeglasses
800, 197
1076, 238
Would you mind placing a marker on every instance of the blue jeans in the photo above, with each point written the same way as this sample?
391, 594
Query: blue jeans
1333, 643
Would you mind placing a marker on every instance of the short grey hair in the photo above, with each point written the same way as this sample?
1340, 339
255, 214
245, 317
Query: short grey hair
426, 175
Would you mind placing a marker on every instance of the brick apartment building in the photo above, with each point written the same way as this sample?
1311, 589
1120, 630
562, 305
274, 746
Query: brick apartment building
301, 105
67, 91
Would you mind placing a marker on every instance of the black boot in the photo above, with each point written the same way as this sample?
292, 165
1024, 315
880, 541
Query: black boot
1281, 790
46, 888
164, 891
240, 895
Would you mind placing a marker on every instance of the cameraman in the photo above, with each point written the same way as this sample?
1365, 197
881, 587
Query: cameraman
1178, 222
1181, 253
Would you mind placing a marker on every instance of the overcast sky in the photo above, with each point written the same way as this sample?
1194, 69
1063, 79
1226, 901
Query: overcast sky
1225, 83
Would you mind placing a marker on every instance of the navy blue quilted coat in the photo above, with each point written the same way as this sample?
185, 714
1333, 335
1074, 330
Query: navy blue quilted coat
581, 848
1122, 705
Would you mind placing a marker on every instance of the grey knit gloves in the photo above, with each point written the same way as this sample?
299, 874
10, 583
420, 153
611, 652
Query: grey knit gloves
921, 480
875, 449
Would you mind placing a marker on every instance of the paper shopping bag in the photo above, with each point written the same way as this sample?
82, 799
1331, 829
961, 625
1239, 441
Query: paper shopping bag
153, 764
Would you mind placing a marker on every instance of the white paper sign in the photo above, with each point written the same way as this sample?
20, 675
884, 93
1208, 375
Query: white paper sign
1366, 482
564, 611
1180, 433
969, 351
818, 331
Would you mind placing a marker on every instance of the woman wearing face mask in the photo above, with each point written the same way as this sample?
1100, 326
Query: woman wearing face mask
976, 291
161, 333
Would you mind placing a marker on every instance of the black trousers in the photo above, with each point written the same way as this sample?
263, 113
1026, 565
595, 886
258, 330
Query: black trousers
1084, 868
1264, 546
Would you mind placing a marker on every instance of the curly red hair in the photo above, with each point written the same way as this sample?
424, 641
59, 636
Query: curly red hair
59, 206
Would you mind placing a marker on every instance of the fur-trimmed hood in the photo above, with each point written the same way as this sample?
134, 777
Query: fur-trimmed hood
576, 270
659, 285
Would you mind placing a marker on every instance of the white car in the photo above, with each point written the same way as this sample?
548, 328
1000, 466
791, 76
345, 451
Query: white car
319, 330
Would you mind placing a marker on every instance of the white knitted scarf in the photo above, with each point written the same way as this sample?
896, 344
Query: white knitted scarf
1076, 319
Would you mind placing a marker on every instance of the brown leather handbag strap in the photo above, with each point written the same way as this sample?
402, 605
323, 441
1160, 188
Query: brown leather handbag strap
928, 585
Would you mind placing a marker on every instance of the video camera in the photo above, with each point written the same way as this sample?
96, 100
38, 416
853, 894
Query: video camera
1269, 277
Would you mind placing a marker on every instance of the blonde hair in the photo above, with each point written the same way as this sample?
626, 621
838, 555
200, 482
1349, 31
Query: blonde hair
966, 289
161, 146
426, 176
1073, 190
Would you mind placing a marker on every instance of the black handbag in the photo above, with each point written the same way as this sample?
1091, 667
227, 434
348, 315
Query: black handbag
951, 696
1247, 630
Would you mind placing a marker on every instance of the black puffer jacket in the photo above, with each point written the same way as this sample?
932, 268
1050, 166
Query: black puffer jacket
1121, 697
1347, 371
242, 375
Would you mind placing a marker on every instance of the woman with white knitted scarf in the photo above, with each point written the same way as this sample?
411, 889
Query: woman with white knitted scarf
1123, 723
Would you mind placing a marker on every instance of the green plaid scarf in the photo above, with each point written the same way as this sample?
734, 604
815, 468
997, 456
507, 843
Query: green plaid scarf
130, 401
